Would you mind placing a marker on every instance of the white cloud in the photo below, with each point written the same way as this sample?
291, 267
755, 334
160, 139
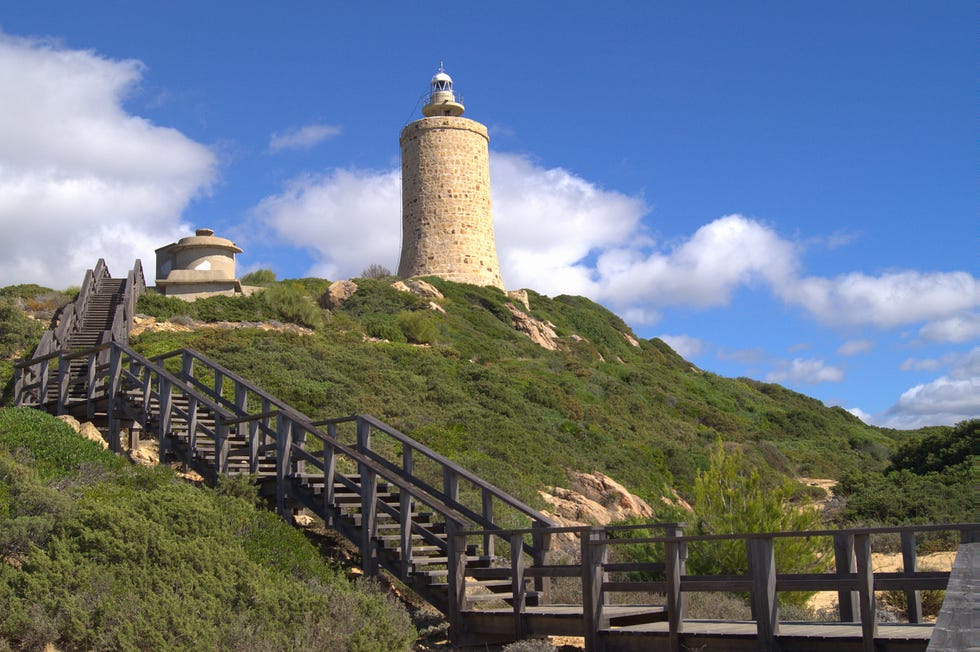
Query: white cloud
547, 221
704, 271
946, 400
958, 328
884, 301
302, 137
80, 178
854, 347
346, 219
861, 414
686, 346
805, 372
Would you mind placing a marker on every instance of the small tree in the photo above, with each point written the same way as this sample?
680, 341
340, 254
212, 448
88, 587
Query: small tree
729, 499
374, 270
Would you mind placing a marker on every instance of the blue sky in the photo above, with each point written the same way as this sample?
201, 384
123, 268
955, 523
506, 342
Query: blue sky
784, 191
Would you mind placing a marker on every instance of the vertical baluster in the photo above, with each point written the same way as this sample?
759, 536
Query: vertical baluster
866, 591
762, 568
456, 579
329, 468
913, 599
405, 515
63, 366
192, 431
675, 553
113, 398
283, 451
594, 555
518, 589
486, 501
369, 513
165, 402
845, 564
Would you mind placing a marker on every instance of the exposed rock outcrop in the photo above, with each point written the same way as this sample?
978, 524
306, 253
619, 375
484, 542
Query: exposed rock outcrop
594, 499
521, 297
337, 294
418, 287
86, 430
541, 333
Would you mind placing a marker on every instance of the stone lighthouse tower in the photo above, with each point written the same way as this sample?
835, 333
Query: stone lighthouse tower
447, 224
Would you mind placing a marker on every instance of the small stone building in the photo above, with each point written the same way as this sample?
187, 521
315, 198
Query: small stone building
201, 265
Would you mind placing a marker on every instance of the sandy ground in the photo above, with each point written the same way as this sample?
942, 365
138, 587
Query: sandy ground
887, 563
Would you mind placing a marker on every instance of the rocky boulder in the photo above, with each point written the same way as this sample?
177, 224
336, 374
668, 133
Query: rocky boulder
541, 333
337, 294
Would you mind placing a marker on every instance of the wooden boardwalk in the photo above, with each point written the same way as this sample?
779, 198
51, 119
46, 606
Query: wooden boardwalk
435, 526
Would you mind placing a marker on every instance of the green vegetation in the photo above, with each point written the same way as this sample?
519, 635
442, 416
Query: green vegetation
98, 554
730, 497
931, 479
489, 398
292, 302
260, 277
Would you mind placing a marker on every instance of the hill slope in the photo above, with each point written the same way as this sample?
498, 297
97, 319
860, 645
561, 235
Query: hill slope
485, 395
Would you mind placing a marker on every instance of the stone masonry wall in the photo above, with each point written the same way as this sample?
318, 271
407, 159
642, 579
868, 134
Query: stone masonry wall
447, 222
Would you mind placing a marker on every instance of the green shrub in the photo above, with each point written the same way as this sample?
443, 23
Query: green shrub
19, 334
260, 277
133, 558
289, 303
384, 327
418, 327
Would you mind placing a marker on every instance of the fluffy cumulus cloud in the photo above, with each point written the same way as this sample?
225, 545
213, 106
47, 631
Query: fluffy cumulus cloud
80, 178
885, 301
346, 220
948, 399
805, 372
958, 328
302, 137
702, 272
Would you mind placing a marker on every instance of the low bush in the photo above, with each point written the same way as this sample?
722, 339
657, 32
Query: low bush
133, 558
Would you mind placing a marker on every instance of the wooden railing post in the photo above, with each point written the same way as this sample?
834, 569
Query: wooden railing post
187, 366
845, 564
540, 544
450, 486
192, 432
221, 444
112, 398
405, 516
486, 510
762, 568
676, 554
283, 452
63, 378
165, 402
329, 470
456, 579
866, 591
369, 513
44, 379
363, 435
518, 589
91, 382
913, 599
594, 555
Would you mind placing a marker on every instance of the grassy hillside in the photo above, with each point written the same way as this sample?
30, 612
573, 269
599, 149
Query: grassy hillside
97, 554
486, 396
